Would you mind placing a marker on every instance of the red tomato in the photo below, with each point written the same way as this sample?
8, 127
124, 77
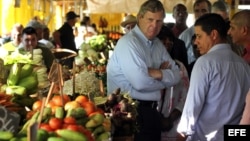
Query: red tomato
46, 127
69, 120
87, 133
55, 123
64, 126
73, 127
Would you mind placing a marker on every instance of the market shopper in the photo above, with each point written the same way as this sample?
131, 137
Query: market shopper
200, 7
128, 23
240, 33
175, 47
30, 42
64, 37
219, 82
221, 8
86, 30
15, 38
134, 67
180, 15
173, 99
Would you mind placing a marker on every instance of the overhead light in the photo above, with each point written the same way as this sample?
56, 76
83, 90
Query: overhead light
241, 7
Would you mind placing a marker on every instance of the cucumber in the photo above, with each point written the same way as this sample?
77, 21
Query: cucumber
98, 130
13, 77
71, 135
29, 82
76, 113
56, 139
19, 139
42, 135
6, 135
26, 70
59, 112
103, 136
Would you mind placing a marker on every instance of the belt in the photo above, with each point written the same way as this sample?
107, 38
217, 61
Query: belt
151, 104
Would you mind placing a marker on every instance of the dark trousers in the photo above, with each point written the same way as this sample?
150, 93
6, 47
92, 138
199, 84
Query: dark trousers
149, 124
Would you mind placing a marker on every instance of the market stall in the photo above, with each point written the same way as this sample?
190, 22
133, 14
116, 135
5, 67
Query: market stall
34, 105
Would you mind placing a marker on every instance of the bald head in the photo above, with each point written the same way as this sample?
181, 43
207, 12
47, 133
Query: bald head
17, 28
240, 28
16, 33
242, 18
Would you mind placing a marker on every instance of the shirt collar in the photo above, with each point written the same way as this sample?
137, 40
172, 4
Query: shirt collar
220, 46
138, 31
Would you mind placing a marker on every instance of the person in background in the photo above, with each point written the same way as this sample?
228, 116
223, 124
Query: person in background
221, 8
38, 26
175, 47
86, 30
180, 15
220, 83
240, 33
200, 7
46, 38
173, 99
64, 37
30, 42
134, 67
95, 28
128, 23
16, 34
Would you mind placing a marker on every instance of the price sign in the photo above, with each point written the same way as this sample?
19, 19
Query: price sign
9, 121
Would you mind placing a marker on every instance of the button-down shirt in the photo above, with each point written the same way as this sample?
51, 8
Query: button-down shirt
218, 86
128, 67
186, 36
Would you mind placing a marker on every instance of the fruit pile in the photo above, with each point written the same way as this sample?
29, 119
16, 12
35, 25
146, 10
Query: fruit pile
76, 120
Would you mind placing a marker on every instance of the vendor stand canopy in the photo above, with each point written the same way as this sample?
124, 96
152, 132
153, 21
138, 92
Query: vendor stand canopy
131, 6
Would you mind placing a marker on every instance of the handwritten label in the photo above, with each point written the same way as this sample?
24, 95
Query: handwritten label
9, 121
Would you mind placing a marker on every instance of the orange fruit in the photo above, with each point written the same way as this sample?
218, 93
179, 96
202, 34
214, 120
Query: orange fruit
71, 105
89, 107
58, 100
50, 104
82, 99
37, 105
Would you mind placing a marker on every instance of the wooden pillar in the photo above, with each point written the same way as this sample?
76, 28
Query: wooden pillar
233, 5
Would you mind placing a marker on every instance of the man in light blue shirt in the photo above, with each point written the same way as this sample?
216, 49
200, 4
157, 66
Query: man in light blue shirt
219, 83
141, 66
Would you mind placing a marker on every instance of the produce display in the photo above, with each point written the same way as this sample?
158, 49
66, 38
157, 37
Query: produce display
25, 75
77, 120
90, 51
82, 113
